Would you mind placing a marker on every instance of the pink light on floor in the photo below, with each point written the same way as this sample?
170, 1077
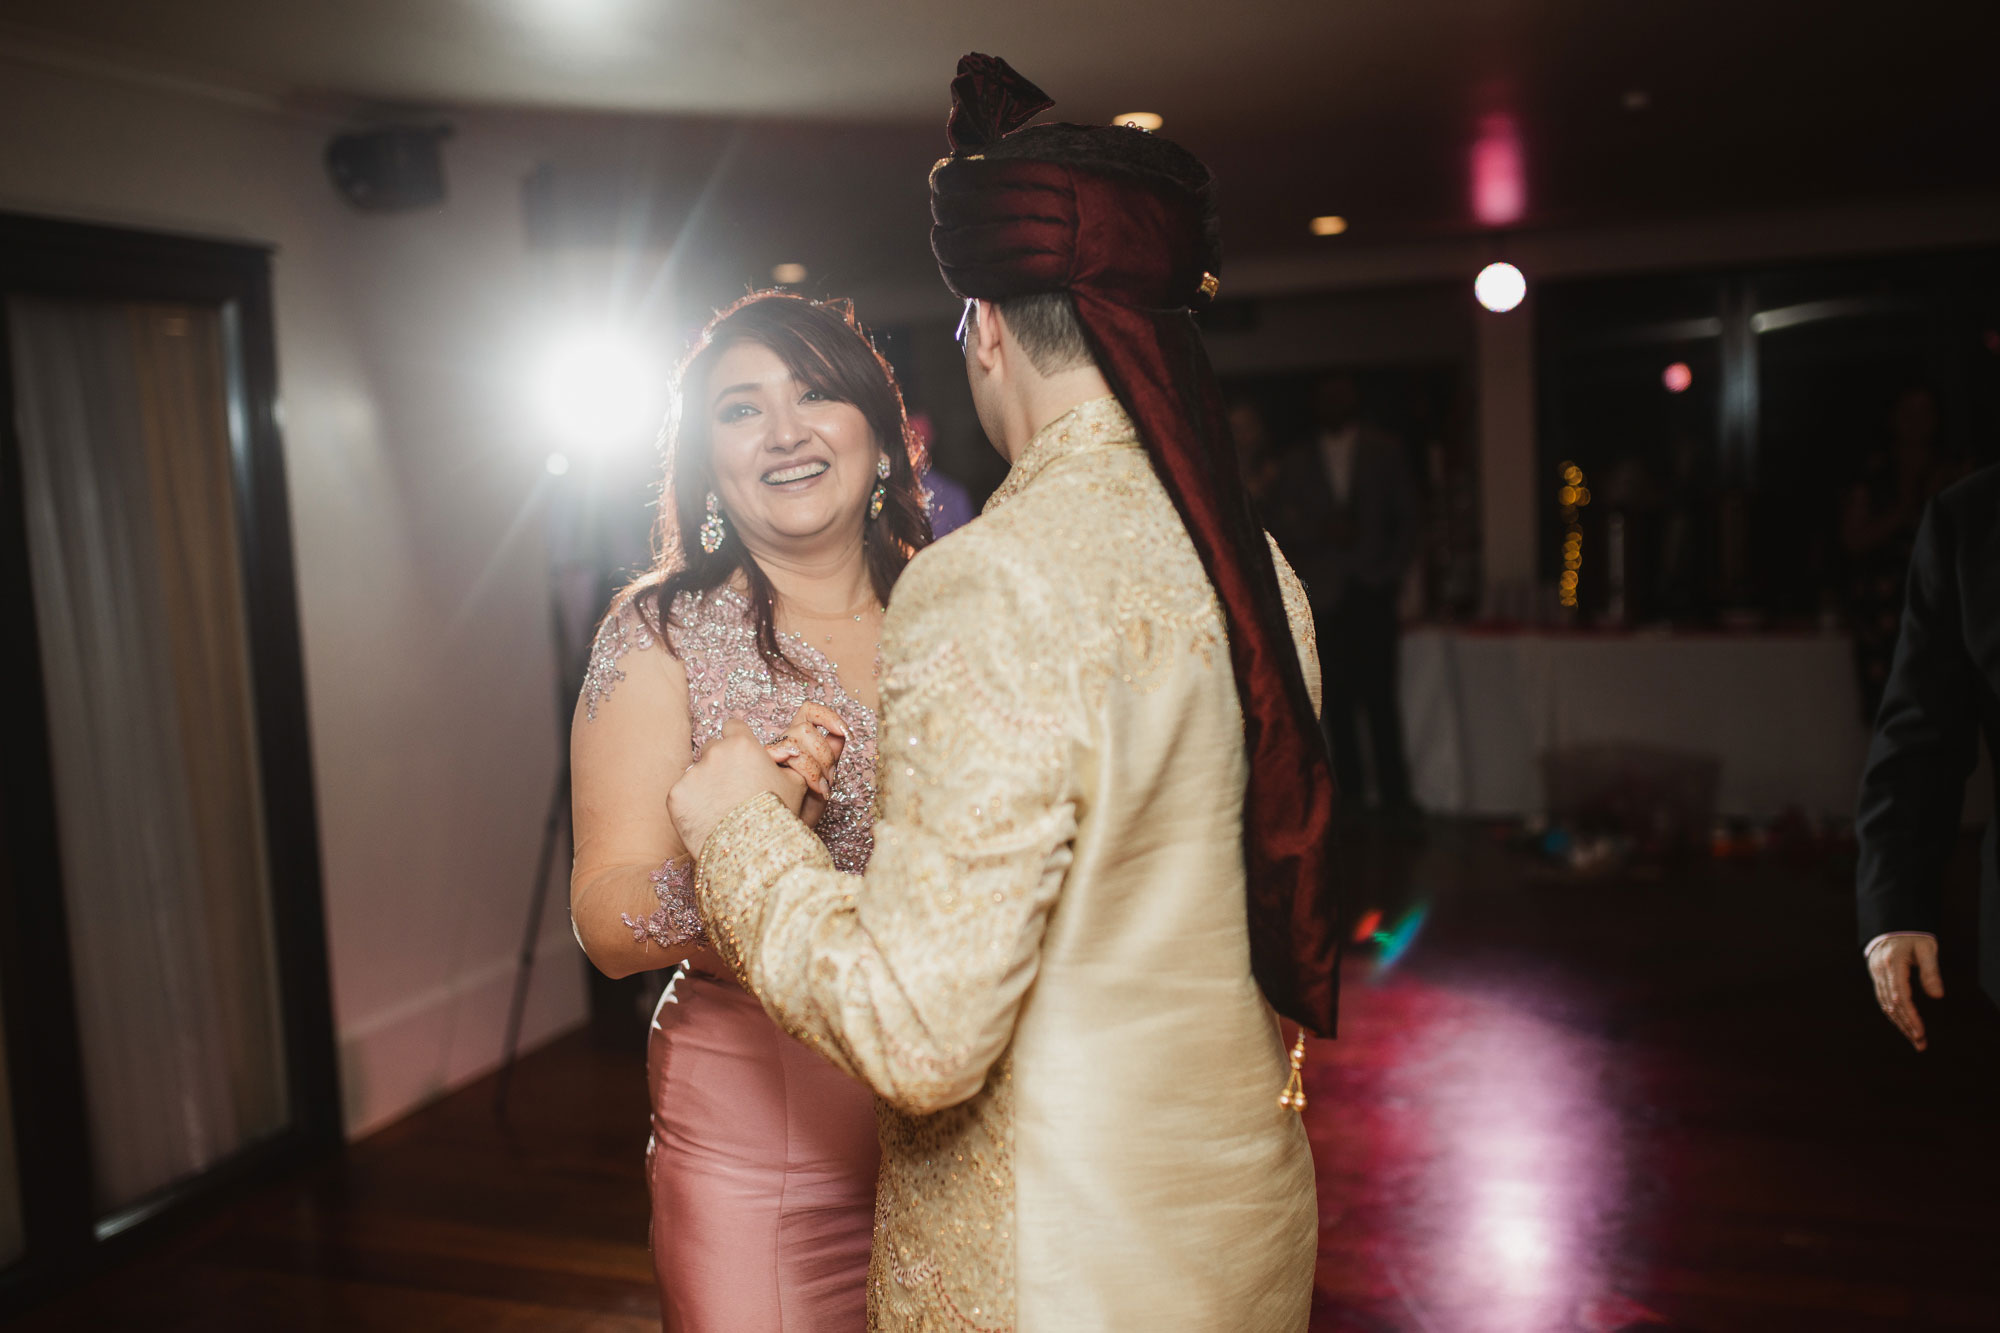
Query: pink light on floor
1499, 178
1677, 377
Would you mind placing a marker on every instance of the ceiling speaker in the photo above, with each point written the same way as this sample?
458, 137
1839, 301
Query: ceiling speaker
389, 170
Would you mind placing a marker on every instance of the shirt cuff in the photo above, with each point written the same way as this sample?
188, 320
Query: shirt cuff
1869, 949
743, 857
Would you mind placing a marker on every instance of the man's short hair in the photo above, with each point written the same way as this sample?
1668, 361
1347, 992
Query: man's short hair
1047, 328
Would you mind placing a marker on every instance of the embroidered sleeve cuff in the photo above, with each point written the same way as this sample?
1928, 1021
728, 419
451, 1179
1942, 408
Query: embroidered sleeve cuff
1869, 950
745, 855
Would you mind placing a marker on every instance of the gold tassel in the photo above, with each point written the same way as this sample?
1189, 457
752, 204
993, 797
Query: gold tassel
1293, 1098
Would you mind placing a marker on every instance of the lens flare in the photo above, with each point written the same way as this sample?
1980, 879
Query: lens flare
600, 391
1396, 941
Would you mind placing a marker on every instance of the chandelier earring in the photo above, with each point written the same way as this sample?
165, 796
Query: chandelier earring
713, 529
881, 493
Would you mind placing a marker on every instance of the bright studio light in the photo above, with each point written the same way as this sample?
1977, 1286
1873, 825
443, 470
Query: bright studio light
558, 464
789, 275
1141, 120
600, 391
1332, 224
1500, 287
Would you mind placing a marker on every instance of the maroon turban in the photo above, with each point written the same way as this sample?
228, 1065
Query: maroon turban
1127, 236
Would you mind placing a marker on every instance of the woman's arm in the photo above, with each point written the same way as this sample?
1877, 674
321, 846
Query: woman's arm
630, 741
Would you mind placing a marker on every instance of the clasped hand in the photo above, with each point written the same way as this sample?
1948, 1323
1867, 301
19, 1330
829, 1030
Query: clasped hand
797, 768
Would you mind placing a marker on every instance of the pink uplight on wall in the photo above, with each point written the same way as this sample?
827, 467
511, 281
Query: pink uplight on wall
1677, 377
1499, 178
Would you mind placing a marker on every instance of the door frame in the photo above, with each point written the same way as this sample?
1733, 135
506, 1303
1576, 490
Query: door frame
71, 260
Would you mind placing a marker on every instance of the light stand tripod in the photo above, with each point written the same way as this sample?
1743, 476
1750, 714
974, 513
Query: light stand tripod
553, 826
584, 550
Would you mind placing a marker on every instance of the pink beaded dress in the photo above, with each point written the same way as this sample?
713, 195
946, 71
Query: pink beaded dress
763, 1156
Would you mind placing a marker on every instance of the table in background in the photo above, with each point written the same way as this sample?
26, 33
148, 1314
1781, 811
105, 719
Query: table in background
1781, 711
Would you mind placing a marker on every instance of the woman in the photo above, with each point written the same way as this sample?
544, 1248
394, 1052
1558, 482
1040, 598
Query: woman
790, 508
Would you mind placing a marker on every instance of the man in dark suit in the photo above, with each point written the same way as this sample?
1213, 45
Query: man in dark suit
1344, 509
1943, 690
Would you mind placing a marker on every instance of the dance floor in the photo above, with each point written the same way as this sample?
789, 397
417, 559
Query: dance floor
1564, 1105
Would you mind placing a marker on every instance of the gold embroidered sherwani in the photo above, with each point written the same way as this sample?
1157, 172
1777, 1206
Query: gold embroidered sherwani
1045, 972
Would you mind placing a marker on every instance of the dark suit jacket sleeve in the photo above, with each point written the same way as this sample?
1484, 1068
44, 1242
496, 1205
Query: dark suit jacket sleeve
1926, 743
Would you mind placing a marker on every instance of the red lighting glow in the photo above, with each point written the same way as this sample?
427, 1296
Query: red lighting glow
1499, 181
1367, 926
1677, 377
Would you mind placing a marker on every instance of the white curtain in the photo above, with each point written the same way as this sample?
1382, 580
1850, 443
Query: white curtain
125, 461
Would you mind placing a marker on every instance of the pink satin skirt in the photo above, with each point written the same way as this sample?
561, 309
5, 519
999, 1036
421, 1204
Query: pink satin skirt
762, 1168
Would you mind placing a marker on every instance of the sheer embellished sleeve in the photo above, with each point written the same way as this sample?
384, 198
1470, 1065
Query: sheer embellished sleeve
910, 976
630, 742
622, 631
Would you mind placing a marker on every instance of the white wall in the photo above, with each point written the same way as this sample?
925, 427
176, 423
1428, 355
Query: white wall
414, 485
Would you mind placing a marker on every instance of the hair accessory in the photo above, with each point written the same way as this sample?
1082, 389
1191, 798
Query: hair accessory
713, 529
881, 494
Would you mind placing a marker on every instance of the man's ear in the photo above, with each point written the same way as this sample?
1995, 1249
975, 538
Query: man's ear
988, 336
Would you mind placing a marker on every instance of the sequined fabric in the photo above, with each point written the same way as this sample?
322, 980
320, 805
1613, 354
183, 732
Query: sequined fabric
715, 639
620, 633
675, 922
1045, 975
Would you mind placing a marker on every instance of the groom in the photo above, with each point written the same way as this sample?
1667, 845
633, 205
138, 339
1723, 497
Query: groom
1101, 855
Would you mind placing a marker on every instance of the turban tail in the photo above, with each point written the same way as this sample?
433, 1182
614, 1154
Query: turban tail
1132, 254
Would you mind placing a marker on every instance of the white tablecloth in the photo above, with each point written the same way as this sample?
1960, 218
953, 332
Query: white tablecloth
1782, 712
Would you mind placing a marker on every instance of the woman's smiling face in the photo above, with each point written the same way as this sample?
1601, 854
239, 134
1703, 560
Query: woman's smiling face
792, 466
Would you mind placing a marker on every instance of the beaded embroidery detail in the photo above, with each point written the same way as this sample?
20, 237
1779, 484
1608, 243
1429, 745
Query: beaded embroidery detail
675, 923
621, 632
715, 638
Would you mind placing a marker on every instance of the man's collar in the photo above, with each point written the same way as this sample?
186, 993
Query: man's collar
1099, 423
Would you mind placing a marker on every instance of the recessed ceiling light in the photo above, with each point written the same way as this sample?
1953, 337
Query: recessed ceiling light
1637, 99
1332, 224
1141, 120
789, 275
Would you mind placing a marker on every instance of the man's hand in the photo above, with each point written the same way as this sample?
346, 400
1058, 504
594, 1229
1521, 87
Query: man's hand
1889, 964
732, 769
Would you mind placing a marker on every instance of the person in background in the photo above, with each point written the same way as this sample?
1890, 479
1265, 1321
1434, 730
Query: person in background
1943, 691
949, 505
1878, 528
1350, 520
1253, 447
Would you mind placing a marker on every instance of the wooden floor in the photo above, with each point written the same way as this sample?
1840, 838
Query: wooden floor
1567, 1106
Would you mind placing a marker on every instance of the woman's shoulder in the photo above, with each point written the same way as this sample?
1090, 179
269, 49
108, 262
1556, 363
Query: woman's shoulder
626, 629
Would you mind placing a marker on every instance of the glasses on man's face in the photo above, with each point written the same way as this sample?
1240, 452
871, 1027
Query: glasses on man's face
964, 323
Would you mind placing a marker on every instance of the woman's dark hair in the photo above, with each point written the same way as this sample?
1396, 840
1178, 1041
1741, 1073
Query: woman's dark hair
826, 349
